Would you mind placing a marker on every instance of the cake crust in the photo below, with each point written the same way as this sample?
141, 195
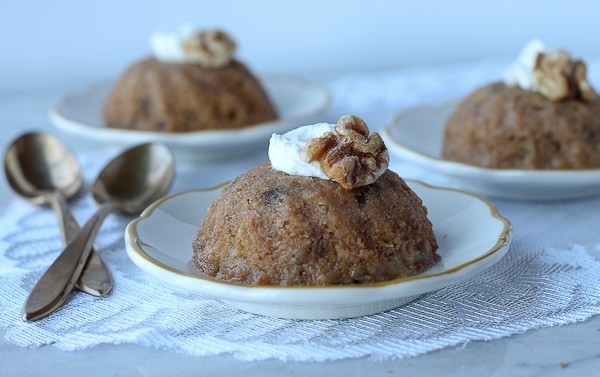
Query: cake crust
506, 127
177, 97
271, 228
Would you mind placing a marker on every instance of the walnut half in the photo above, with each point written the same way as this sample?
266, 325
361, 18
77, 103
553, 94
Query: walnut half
210, 48
349, 155
558, 77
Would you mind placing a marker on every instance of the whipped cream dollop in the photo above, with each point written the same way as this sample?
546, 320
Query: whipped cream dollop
186, 44
285, 150
166, 43
520, 72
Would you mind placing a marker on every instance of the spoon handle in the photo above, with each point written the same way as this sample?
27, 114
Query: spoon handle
95, 279
58, 281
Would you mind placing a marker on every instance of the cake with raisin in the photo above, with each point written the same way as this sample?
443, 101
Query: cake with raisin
324, 211
192, 83
545, 115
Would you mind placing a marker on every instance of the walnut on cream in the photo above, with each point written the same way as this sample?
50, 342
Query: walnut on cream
349, 155
558, 77
184, 43
210, 48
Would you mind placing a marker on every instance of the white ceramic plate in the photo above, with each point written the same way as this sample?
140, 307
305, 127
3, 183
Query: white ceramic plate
417, 135
472, 236
297, 102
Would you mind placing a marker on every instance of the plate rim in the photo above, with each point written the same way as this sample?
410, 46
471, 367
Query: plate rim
503, 241
463, 169
66, 123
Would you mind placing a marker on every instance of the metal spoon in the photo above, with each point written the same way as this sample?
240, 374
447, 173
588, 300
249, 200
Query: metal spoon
129, 183
43, 170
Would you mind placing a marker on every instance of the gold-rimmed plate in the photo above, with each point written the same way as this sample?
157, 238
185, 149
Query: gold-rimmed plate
416, 135
472, 237
297, 101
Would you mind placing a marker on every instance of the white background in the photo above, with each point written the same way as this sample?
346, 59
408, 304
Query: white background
56, 44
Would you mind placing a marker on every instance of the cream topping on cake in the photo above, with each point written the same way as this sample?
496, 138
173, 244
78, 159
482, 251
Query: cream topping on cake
185, 44
347, 152
166, 43
520, 72
285, 151
555, 75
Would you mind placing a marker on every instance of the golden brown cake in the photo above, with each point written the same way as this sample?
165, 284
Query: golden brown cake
507, 127
203, 93
554, 123
268, 227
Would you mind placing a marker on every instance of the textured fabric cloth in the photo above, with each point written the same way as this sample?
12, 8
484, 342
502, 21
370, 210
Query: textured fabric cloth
549, 276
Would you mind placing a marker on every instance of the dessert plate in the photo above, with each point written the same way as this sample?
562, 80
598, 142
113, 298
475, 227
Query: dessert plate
472, 237
417, 135
297, 102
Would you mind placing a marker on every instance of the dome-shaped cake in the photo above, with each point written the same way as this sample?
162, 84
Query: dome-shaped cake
271, 228
545, 115
194, 84
500, 126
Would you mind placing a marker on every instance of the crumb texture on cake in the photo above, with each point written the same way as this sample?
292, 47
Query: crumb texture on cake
499, 126
177, 97
271, 228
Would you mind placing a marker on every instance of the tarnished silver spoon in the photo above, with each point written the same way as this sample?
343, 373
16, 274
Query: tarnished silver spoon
129, 183
43, 170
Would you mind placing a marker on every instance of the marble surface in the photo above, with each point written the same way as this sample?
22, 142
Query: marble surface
557, 351
571, 350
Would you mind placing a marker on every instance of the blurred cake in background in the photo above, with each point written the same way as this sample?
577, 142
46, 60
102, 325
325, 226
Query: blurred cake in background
544, 115
192, 82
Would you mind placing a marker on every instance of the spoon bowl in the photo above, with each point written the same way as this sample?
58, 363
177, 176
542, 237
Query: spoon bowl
38, 163
42, 170
135, 179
